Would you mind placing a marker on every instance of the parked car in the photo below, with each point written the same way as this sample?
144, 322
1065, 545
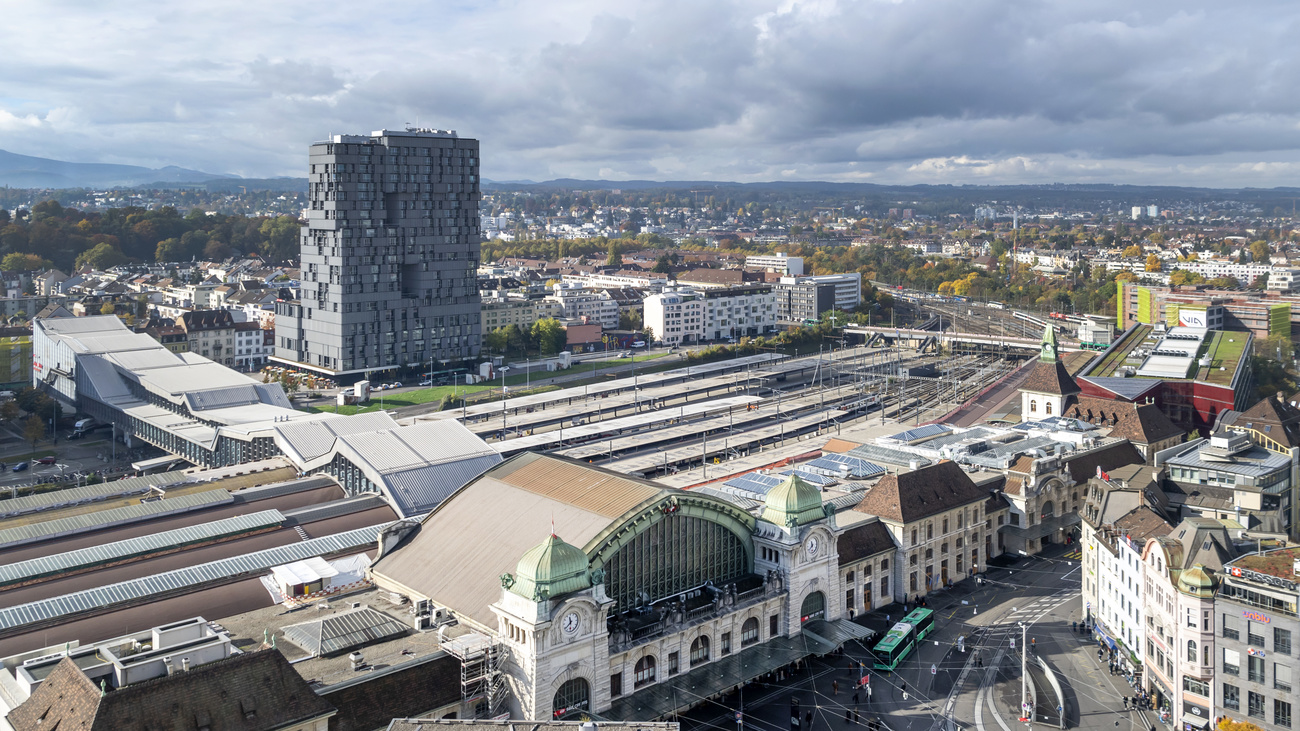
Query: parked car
397, 384
426, 382
46, 460
21, 466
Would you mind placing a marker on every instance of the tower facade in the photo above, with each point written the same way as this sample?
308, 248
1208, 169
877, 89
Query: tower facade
389, 255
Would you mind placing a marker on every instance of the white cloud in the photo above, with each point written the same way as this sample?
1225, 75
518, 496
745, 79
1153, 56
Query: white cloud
918, 91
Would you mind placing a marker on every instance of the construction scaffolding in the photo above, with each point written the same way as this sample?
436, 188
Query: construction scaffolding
482, 684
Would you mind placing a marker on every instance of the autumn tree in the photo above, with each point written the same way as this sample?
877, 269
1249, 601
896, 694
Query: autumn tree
33, 430
1230, 724
1259, 251
1133, 250
1153, 263
108, 308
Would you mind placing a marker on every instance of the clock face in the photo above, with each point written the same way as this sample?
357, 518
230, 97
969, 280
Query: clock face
812, 546
570, 622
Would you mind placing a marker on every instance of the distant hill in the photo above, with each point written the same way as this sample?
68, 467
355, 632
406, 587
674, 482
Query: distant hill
25, 171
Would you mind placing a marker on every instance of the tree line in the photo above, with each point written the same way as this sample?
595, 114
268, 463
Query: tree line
68, 238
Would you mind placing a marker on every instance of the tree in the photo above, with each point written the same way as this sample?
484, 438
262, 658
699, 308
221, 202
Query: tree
108, 308
103, 256
17, 262
1133, 250
549, 336
1259, 251
1156, 238
10, 412
33, 430
1228, 724
280, 238
1153, 263
615, 258
663, 265
498, 340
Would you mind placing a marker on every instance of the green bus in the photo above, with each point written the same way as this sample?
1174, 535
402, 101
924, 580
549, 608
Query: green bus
895, 647
923, 620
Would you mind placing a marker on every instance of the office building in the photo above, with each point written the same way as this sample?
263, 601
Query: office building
778, 263
1255, 618
389, 255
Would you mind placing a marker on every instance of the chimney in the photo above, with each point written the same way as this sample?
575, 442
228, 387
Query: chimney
168, 662
185, 664
1280, 397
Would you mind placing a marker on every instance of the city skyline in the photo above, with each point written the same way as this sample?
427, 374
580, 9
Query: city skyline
898, 93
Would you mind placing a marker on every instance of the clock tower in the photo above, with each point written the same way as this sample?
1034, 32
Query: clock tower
1049, 388
795, 537
551, 616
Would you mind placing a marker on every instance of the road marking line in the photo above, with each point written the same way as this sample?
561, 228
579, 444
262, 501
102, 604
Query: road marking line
997, 716
979, 709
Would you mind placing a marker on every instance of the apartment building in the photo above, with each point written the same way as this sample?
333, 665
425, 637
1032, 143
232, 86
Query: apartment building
777, 263
502, 310
389, 255
211, 334
580, 302
1181, 572
688, 316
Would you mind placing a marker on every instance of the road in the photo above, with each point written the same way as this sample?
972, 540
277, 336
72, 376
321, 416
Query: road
1042, 591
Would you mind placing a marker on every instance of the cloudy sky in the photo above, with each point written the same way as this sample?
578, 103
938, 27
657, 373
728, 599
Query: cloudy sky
887, 91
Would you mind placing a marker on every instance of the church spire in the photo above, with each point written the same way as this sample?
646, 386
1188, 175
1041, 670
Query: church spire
1050, 353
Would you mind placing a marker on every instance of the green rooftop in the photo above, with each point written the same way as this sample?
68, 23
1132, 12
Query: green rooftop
1225, 350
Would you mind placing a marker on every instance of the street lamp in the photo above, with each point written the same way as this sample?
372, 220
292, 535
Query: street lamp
503, 369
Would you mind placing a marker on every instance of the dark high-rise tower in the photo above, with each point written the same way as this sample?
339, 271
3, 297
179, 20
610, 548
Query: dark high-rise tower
389, 255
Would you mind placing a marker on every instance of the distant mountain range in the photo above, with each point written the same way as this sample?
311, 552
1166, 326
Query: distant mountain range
25, 171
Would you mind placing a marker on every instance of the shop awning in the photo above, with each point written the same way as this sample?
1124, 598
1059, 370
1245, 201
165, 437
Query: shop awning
837, 632
1195, 721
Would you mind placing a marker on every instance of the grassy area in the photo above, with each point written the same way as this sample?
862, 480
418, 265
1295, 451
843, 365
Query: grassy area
1226, 352
383, 400
1116, 358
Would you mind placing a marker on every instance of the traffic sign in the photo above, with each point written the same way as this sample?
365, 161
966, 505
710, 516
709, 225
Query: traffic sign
933, 669
1088, 605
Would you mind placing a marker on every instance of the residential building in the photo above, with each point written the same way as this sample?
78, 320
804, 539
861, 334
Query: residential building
580, 302
250, 346
1274, 424
503, 310
1181, 572
687, 316
389, 255
1256, 622
252, 690
173, 338
1123, 509
777, 263
211, 334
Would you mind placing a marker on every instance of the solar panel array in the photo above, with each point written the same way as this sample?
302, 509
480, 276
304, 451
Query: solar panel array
752, 484
142, 545
339, 632
847, 464
87, 494
921, 432
885, 455
190, 578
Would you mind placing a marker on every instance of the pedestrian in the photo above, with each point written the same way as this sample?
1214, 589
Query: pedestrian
855, 699
835, 687
1033, 644
848, 716
808, 719
857, 717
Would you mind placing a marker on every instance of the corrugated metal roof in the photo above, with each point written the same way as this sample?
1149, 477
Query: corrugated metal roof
305, 441
216, 398
88, 493
335, 508
118, 550
577, 485
117, 516
128, 592
422, 489
342, 631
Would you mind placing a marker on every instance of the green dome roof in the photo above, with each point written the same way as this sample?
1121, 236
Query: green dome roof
551, 568
1196, 581
793, 502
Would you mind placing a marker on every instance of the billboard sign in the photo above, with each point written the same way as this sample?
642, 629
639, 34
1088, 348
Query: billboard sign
1191, 318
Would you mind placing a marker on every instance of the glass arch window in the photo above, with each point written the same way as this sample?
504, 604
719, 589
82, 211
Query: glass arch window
1191, 651
700, 650
749, 632
573, 698
645, 671
673, 555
